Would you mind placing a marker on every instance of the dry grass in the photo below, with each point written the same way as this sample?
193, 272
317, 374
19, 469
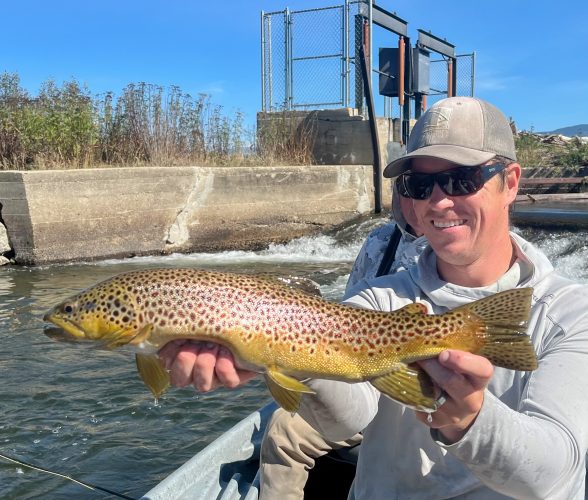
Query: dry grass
68, 127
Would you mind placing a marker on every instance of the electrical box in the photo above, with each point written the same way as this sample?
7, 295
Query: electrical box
388, 75
388, 71
421, 60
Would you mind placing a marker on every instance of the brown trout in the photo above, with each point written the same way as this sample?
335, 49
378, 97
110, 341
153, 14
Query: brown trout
288, 334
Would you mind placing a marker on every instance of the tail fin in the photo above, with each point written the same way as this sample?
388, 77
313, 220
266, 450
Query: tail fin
505, 316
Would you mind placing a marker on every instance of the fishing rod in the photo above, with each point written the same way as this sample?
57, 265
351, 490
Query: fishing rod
81, 483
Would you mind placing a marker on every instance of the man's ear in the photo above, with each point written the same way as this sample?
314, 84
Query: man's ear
513, 178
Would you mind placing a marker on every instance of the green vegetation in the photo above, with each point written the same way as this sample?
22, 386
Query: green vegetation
68, 127
555, 157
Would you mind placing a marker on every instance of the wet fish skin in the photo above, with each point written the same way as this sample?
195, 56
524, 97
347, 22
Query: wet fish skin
287, 334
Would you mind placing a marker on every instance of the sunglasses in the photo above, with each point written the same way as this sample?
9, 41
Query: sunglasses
459, 181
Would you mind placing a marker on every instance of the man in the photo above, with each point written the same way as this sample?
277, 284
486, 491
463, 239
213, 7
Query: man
500, 433
290, 445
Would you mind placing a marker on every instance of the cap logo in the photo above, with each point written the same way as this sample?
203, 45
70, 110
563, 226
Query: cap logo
438, 120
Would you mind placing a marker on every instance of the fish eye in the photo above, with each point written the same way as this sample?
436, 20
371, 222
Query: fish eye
68, 308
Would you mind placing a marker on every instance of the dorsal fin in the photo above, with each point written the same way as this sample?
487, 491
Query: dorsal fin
415, 308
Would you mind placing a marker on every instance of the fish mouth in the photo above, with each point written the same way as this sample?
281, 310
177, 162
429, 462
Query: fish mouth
59, 334
65, 326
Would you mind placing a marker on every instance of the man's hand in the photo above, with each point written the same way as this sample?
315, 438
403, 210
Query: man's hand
204, 365
463, 377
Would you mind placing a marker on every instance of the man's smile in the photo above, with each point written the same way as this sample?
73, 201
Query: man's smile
448, 223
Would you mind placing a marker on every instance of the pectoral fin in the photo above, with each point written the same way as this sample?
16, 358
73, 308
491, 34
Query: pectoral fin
126, 336
286, 390
152, 373
410, 386
142, 335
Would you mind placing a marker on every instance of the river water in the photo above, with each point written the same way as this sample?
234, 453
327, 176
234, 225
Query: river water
84, 412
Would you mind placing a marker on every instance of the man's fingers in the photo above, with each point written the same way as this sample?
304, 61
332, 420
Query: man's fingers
181, 365
458, 373
225, 369
169, 351
476, 369
204, 367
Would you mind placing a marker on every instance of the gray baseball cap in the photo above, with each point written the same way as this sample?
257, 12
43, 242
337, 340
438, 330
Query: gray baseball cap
463, 130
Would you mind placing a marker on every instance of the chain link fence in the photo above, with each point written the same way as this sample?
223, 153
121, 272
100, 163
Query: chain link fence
464, 74
308, 57
309, 60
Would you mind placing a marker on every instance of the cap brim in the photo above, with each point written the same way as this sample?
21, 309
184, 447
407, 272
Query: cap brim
455, 154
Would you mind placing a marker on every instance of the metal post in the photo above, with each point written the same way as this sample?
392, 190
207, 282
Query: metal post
263, 62
345, 61
287, 96
373, 122
290, 58
473, 72
270, 68
401, 69
370, 28
407, 87
454, 77
358, 26
418, 105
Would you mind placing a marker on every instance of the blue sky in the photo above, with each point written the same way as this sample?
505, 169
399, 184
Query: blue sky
532, 56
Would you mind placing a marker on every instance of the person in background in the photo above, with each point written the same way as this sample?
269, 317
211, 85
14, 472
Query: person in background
291, 446
499, 433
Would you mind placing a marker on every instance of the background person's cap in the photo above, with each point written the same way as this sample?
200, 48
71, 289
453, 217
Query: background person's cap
463, 130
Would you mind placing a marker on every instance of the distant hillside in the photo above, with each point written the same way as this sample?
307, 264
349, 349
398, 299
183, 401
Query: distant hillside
581, 130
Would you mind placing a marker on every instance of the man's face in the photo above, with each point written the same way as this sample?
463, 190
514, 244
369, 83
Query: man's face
465, 230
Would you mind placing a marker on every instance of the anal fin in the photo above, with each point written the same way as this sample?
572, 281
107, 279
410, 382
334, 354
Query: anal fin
410, 386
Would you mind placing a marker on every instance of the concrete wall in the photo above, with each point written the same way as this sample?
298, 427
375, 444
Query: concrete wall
338, 136
66, 215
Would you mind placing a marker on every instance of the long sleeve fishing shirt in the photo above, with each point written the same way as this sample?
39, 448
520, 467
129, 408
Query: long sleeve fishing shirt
531, 437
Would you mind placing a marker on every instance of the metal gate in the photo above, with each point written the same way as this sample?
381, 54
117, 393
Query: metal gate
309, 58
